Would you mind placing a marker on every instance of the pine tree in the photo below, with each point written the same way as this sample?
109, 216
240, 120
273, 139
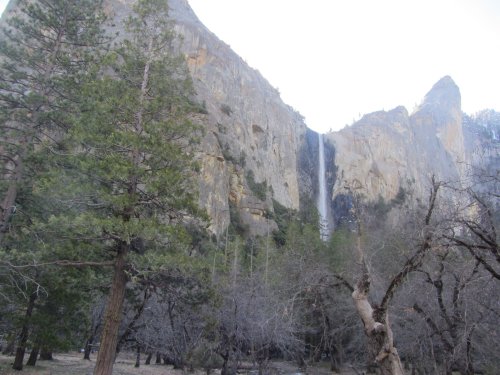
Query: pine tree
46, 51
128, 185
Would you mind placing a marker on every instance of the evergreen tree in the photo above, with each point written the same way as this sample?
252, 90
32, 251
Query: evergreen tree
127, 186
46, 50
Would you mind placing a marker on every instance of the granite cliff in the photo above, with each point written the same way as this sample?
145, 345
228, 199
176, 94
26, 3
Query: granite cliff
389, 154
252, 138
385, 152
250, 150
257, 150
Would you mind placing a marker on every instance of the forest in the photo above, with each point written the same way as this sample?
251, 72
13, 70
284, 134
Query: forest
104, 248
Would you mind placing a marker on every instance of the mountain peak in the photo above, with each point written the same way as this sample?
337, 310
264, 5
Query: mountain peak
445, 94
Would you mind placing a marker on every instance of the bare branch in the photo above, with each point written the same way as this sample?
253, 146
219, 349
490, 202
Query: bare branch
416, 260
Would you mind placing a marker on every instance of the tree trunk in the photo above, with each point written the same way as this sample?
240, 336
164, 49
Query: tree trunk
138, 356
92, 334
468, 359
46, 354
376, 320
33, 356
7, 208
23, 337
112, 316
88, 348
225, 358
148, 358
131, 325
229, 365
158, 358
377, 329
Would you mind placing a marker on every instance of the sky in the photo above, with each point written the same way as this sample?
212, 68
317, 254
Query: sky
335, 60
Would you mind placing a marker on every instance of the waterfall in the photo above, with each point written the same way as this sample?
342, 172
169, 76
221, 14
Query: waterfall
322, 196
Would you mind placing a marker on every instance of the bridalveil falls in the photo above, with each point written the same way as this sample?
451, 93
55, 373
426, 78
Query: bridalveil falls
322, 195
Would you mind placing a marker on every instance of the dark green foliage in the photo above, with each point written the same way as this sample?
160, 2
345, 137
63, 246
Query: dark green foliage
381, 208
221, 128
228, 156
308, 211
131, 171
226, 109
99, 157
400, 197
258, 188
283, 217
47, 51
201, 108
61, 313
237, 226
242, 161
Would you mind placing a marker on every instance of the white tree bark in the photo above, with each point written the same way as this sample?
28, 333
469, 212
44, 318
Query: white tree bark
377, 329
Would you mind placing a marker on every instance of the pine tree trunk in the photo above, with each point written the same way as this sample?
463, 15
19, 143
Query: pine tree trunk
112, 316
148, 358
33, 356
46, 354
23, 337
9, 200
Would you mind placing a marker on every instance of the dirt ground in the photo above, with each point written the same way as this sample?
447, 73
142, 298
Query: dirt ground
73, 364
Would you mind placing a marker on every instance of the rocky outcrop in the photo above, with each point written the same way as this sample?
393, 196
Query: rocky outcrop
390, 153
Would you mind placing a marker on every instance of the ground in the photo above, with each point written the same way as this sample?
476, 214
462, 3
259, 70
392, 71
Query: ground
73, 364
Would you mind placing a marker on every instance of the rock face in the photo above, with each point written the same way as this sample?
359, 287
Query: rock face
386, 153
482, 145
257, 150
249, 131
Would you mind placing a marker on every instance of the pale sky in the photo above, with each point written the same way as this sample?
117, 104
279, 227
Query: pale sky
334, 60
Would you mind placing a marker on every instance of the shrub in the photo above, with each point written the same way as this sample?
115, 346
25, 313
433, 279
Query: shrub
226, 109
258, 188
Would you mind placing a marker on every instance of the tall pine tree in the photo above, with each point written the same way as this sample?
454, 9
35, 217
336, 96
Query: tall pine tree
128, 184
46, 51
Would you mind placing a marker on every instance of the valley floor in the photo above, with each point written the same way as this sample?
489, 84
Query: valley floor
73, 364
